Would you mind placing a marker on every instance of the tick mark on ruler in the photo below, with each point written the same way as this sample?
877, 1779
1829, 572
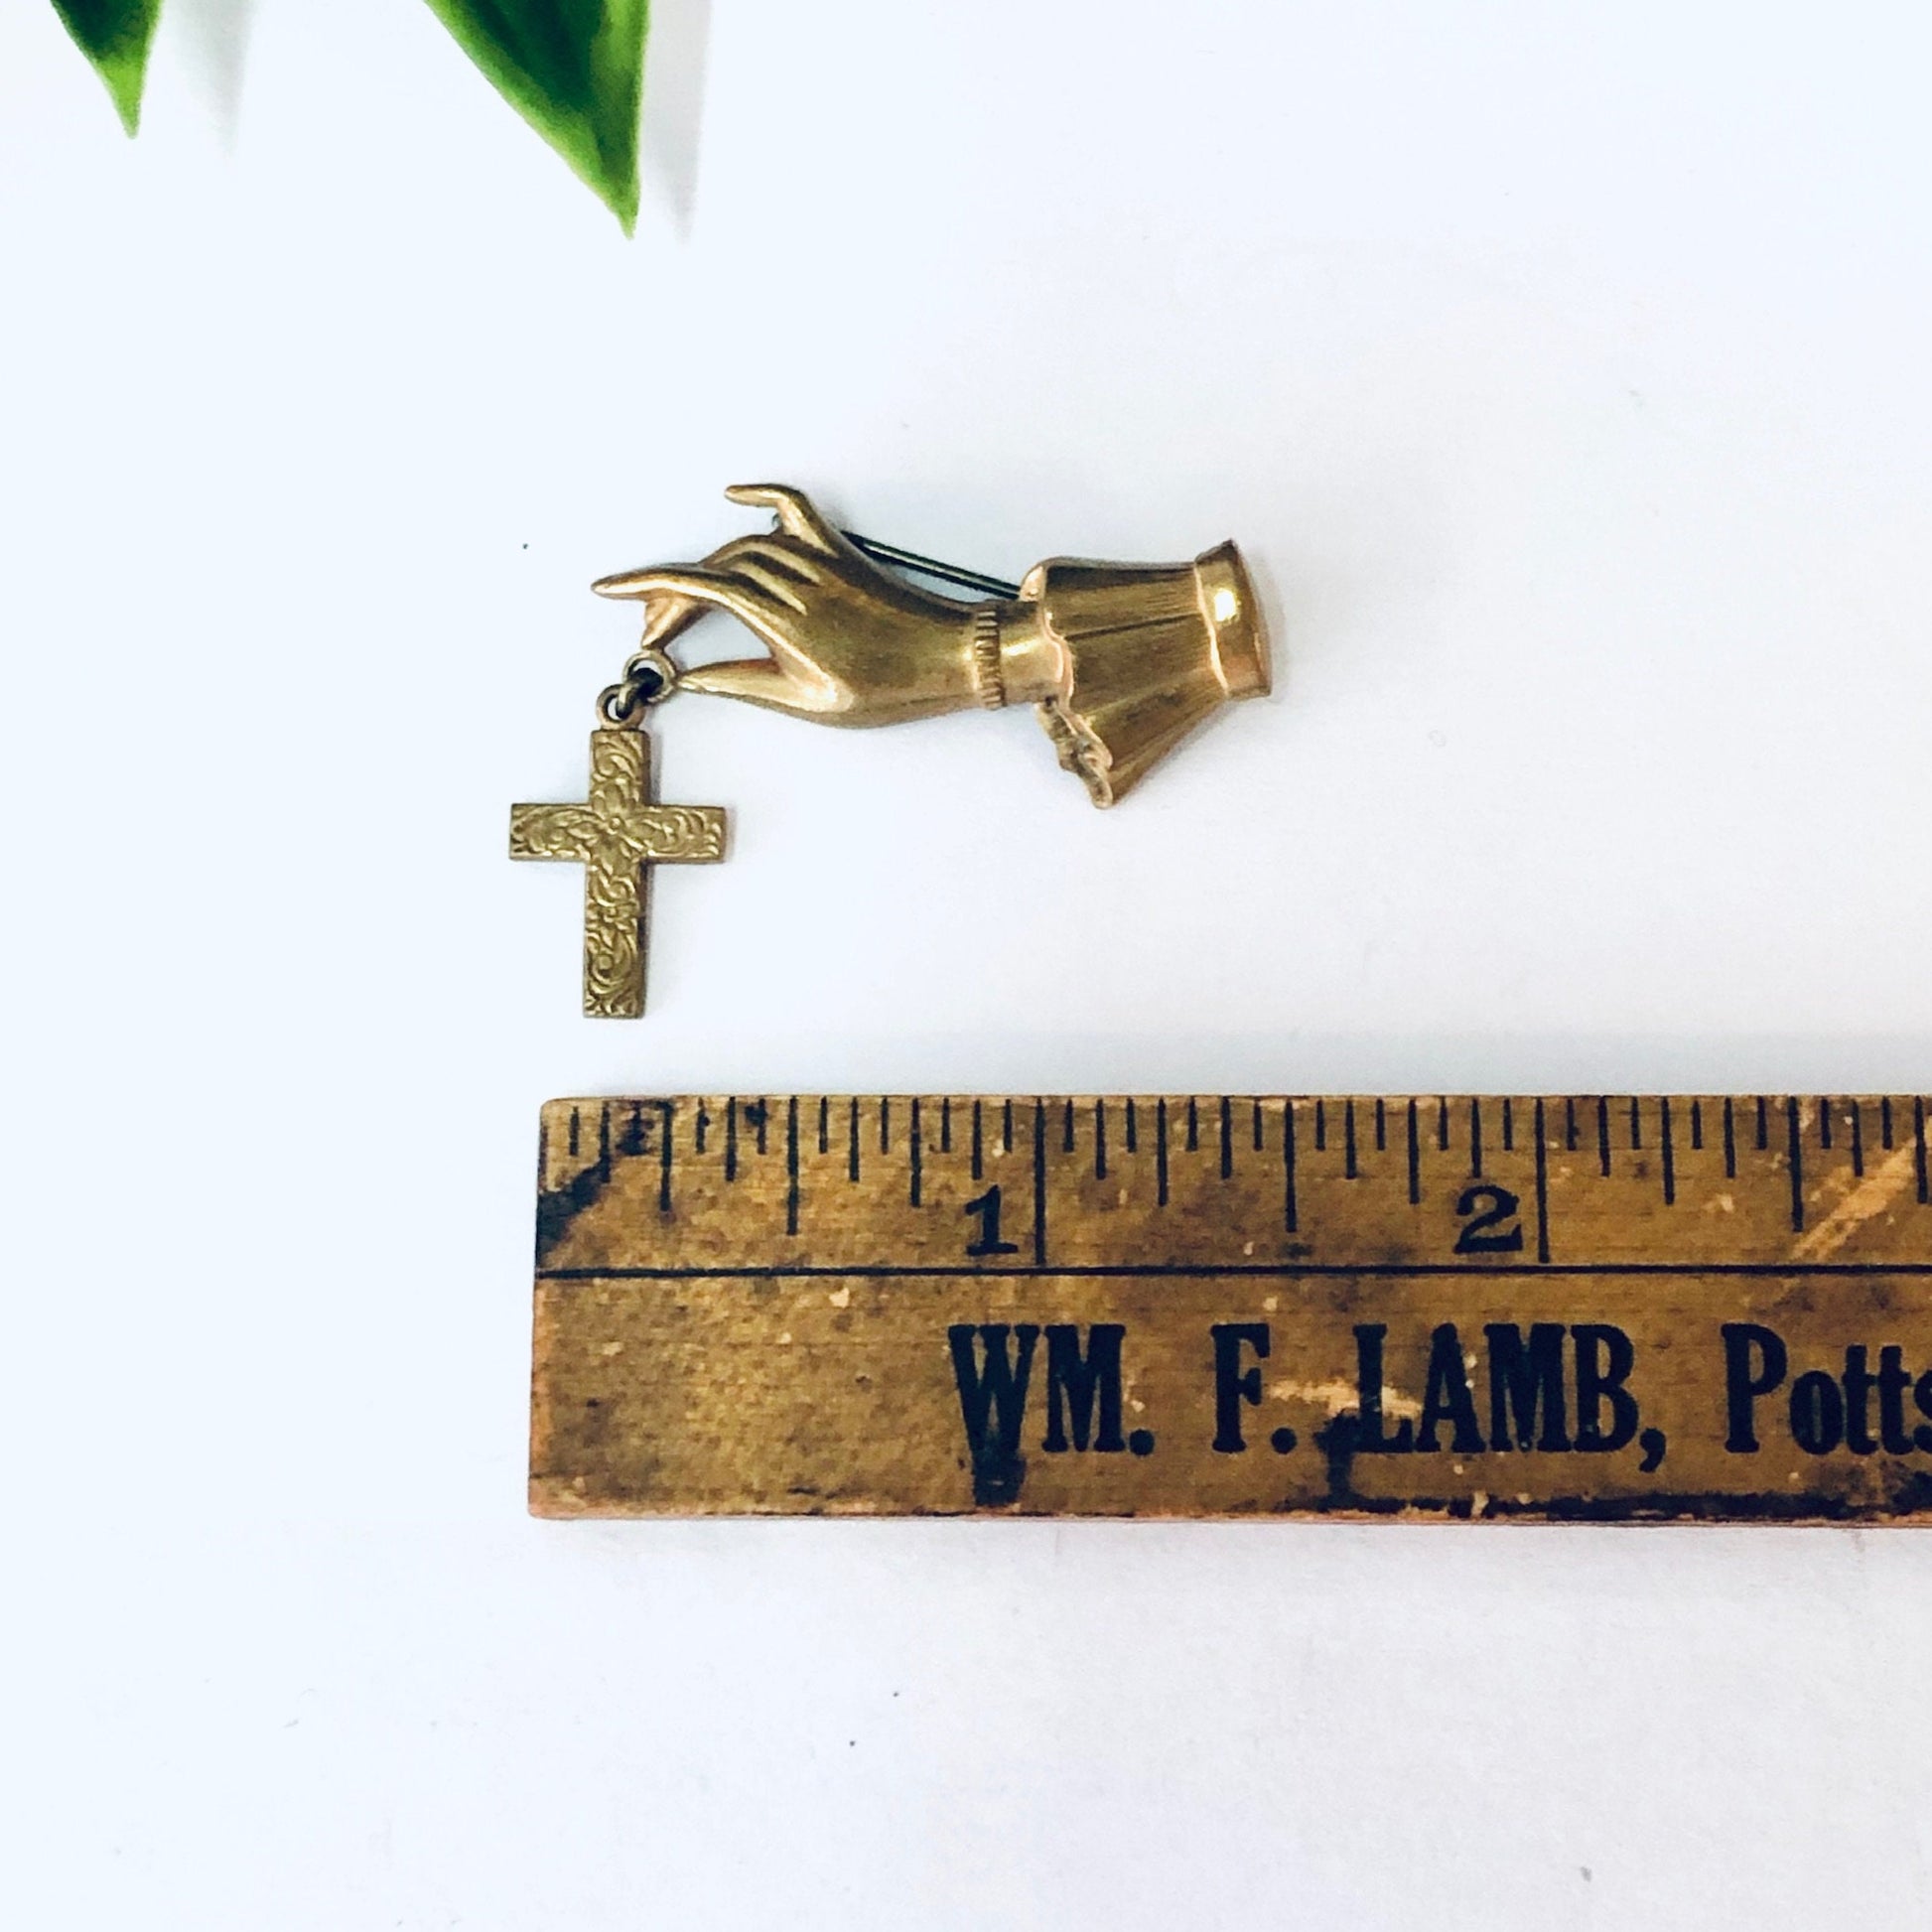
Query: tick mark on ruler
791, 1162
1415, 1158
1349, 1140
1669, 1151
1040, 1184
979, 1144
1793, 1139
1291, 1208
1161, 1152
1100, 1140
1542, 1188
1228, 1137
917, 1151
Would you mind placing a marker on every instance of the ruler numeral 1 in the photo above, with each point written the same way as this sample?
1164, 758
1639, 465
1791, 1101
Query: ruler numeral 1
987, 1207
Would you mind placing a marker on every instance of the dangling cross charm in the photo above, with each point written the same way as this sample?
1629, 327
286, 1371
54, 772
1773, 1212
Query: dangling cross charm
615, 835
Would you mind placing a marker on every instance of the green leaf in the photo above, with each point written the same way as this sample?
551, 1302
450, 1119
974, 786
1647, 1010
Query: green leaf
574, 70
114, 36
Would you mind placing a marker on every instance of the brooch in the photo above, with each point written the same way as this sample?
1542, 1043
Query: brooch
1122, 660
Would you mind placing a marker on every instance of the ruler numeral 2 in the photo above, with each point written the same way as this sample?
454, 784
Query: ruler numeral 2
1493, 1231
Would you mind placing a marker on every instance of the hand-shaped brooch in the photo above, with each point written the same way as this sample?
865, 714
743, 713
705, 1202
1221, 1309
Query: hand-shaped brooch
1122, 659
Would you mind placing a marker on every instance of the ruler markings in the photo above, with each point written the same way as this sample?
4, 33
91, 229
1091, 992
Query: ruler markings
1668, 1150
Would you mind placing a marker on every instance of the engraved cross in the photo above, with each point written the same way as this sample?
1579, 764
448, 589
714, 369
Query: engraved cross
615, 835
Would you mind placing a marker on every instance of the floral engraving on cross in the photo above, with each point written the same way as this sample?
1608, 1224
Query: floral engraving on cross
615, 835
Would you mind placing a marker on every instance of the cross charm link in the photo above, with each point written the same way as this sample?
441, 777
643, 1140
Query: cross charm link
615, 835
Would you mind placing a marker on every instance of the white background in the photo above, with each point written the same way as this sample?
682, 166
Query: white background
1562, 371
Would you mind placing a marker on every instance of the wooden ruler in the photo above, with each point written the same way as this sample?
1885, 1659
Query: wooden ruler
1577, 1309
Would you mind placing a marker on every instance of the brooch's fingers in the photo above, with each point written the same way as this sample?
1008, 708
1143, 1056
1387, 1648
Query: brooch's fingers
789, 554
799, 517
748, 601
